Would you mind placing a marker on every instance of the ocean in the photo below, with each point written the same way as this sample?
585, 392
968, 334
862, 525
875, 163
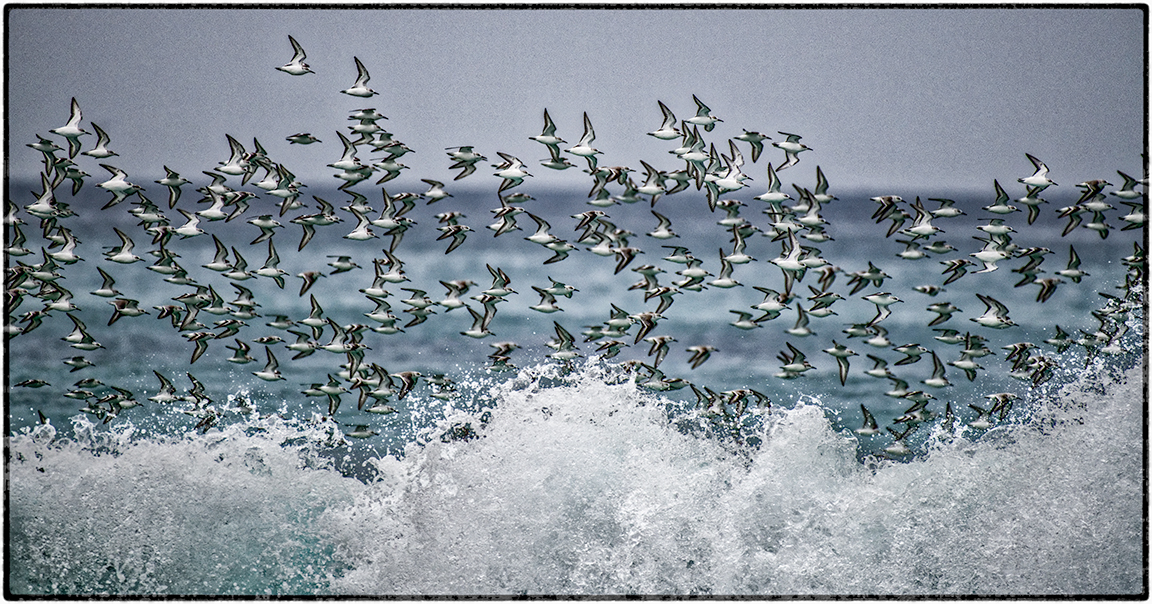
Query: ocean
531, 475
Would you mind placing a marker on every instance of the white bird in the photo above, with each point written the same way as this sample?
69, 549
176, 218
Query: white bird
841, 354
938, 379
511, 170
792, 148
1040, 177
237, 163
1127, 190
703, 116
725, 280
583, 148
271, 371
118, 186
123, 254
72, 130
820, 193
296, 66
302, 138
995, 315
667, 130
663, 229
1072, 271
1000, 205
548, 134
361, 232
755, 139
100, 151
773, 195
360, 88
173, 181
564, 345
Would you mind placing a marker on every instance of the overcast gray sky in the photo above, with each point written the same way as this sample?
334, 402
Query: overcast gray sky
897, 100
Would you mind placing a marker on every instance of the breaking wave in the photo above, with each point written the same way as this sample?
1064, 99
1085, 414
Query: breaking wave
584, 483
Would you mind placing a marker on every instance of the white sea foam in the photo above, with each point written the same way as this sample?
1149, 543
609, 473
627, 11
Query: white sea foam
581, 490
584, 486
227, 512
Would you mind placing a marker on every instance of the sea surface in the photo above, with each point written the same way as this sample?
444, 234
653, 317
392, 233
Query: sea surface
548, 477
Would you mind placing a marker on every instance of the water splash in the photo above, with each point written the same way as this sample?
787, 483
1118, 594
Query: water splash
581, 490
586, 484
228, 512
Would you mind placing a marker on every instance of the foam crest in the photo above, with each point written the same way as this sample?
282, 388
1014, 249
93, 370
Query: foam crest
229, 512
588, 489
585, 483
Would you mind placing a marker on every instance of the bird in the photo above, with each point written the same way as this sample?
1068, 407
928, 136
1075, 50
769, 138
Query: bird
870, 426
773, 195
956, 268
1072, 271
240, 354
898, 446
564, 345
118, 186
267, 226
773, 304
458, 233
1000, 205
271, 269
667, 130
547, 302
360, 87
297, 66
302, 138
125, 307
792, 148
548, 136
938, 378
882, 300
511, 170
744, 320
435, 191
700, 354
725, 280
663, 228
795, 363
820, 192
841, 353
1040, 177
583, 148
879, 368
271, 371
360, 431
703, 116
480, 324
922, 226
341, 264
659, 349
984, 419
100, 151
465, 159
72, 130
1136, 218
1032, 202
237, 164
79, 338
1127, 190
995, 314
755, 139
